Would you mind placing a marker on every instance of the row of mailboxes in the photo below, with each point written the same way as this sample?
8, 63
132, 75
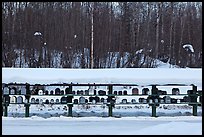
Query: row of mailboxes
135, 91
96, 99
14, 91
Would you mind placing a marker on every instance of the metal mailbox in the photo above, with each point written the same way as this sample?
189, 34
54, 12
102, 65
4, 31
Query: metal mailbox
135, 91
19, 99
23, 90
57, 91
6, 90
32, 100
75, 101
82, 100
52, 101
175, 91
64, 100
13, 99
145, 91
124, 101
133, 101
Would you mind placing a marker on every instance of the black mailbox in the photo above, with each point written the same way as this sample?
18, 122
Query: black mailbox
32, 100
115, 92
64, 100
102, 92
46, 101
75, 101
124, 101
102, 100
62, 92
133, 101
145, 91
46, 92
52, 101
69, 91
175, 91
125, 92
57, 91
6, 99
97, 99
51, 92
37, 101
120, 92
91, 99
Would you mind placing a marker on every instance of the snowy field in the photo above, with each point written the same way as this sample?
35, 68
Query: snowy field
134, 119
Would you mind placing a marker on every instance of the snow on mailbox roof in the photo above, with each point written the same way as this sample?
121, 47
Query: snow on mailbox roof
139, 76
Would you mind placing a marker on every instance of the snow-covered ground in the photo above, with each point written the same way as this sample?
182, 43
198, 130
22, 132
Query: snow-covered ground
92, 119
183, 125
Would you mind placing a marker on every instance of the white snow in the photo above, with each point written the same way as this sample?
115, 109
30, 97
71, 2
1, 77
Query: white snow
37, 33
92, 119
188, 47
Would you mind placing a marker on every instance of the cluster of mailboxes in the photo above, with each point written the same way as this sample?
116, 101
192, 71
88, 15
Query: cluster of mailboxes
21, 90
58, 91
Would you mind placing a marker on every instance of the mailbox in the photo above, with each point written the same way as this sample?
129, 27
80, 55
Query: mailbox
69, 91
161, 100
97, 99
135, 91
37, 101
120, 92
115, 92
46, 92
102, 100
161, 92
52, 101
57, 91
173, 100
105, 101
150, 101
51, 92
46, 101
125, 92
40, 92
13, 99
6, 99
175, 91
124, 101
167, 99
133, 101
86, 92
62, 92
93, 101
20, 99
41, 101
102, 92
6, 90
32, 100
90, 99
141, 100
23, 90
13, 91
82, 100
75, 101
145, 91
144, 101
64, 100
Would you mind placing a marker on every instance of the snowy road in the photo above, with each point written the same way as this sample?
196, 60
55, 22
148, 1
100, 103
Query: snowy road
183, 125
